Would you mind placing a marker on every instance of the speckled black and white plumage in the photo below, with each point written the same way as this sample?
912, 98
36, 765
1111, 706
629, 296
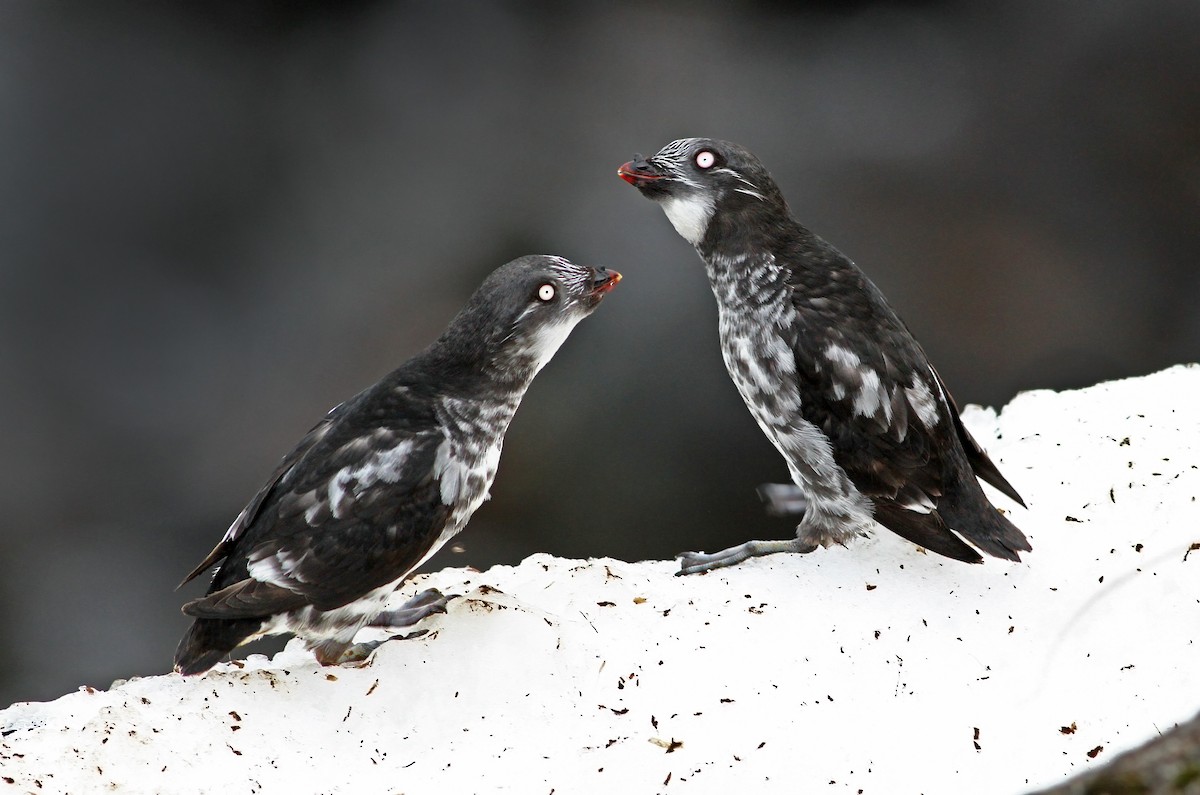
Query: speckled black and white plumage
386, 478
831, 374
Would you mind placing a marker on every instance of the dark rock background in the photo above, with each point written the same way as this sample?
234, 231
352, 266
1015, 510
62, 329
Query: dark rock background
219, 220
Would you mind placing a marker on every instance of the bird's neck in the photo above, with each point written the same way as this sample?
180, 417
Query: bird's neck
744, 253
748, 287
751, 255
470, 374
748, 228
477, 423
474, 403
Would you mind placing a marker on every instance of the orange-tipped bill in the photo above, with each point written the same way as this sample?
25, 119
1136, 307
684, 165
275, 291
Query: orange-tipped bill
638, 172
604, 280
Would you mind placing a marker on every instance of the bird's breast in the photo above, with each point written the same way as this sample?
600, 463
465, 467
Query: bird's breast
756, 321
758, 327
466, 462
465, 474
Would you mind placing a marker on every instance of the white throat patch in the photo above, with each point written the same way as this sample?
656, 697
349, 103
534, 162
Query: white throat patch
548, 339
690, 215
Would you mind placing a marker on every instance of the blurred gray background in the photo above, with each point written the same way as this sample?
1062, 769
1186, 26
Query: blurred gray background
219, 220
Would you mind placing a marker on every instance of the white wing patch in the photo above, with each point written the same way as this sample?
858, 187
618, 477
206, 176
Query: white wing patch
281, 568
385, 466
277, 569
918, 502
923, 403
871, 396
844, 356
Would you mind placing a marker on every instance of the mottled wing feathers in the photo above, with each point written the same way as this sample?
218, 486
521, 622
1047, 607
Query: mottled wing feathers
891, 422
250, 512
878, 409
354, 507
373, 531
902, 464
898, 464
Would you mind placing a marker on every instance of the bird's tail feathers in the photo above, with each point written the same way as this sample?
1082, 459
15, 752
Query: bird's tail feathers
997, 536
986, 469
976, 456
208, 640
227, 618
968, 511
926, 530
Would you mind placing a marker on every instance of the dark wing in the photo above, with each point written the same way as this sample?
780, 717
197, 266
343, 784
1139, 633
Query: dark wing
251, 511
870, 389
358, 508
976, 456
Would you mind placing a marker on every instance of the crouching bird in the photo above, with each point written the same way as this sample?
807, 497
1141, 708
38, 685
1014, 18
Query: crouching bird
387, 477
832, 376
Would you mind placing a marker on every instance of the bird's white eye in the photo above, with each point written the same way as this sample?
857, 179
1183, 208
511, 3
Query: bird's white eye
546, 292
705, 159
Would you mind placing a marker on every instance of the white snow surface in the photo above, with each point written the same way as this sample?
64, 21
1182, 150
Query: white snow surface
874, 669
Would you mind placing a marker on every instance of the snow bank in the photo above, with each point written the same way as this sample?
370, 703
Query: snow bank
874, 669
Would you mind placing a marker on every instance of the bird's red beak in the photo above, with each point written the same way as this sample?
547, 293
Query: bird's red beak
603, 280
638, 172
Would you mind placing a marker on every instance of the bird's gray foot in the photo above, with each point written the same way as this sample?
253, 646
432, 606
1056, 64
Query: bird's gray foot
783, 499
697, 562
421, 606
357, 655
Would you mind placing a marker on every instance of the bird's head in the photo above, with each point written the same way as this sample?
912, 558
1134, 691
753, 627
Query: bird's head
526, 308
694, 178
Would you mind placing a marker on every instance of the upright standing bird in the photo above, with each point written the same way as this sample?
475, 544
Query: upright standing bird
387, 477
832, 375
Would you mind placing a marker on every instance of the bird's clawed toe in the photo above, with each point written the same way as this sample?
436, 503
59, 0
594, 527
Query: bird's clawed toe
421, 606
699, 562
359, 654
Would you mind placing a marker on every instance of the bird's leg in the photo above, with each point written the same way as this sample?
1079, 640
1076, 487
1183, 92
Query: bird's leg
697, 562
355, 656
330, 652
783, 499
421, 606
